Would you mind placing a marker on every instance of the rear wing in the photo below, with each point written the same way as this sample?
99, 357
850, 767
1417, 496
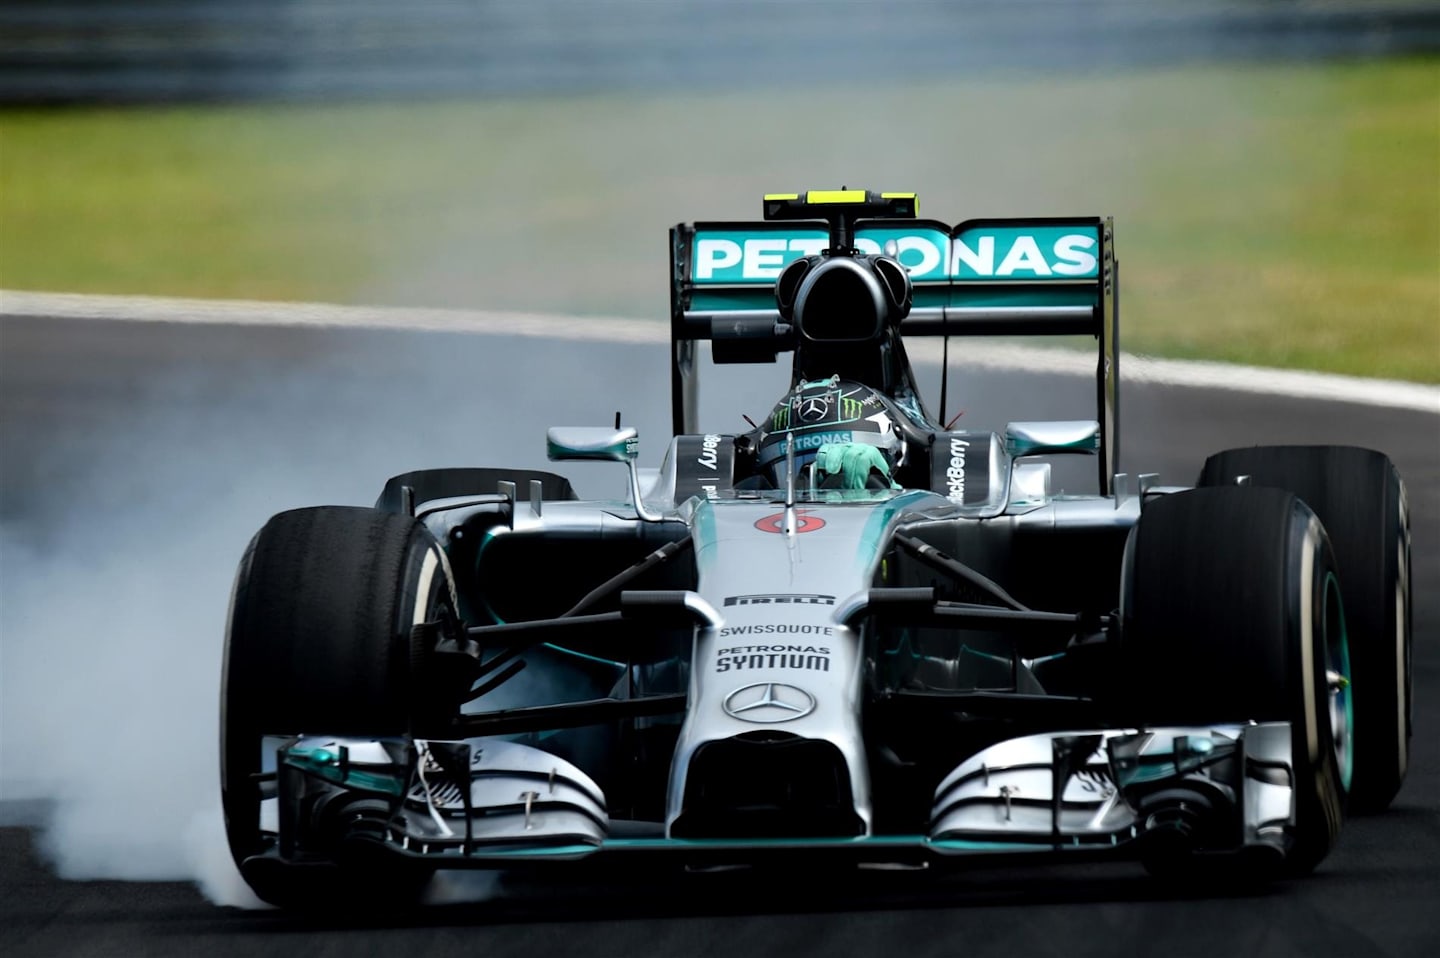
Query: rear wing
981, 277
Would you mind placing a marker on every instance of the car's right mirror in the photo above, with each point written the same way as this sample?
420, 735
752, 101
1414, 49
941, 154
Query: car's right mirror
592, 443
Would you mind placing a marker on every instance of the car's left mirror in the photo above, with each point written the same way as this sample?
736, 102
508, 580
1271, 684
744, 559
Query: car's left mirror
565, 443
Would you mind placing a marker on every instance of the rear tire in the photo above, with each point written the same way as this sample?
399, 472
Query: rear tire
1231, 613
1360, 499
319, 641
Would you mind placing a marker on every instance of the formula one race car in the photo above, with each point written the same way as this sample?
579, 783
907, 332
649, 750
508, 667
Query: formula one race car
850, 634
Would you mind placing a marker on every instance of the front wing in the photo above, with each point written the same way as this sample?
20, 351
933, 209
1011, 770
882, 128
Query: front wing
490, 803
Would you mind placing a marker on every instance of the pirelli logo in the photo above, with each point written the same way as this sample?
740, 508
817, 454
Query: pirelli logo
781, 598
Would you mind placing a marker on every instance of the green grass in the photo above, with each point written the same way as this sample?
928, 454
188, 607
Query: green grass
1282, 215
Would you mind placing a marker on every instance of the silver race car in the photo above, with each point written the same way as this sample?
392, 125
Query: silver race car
849, 634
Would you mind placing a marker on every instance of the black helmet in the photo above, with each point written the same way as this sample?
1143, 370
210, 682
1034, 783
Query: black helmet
827, 412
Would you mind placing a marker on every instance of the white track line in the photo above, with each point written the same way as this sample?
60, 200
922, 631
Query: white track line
1172, 372
244, 312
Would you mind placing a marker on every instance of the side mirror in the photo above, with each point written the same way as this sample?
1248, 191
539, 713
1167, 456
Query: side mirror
601, 444
592, 443
1049, 438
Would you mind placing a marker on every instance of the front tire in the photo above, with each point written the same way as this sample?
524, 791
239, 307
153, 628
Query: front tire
319, 641
1360, 499
1231, 613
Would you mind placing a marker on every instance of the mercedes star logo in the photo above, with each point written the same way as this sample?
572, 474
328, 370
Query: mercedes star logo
766, 703
813, 408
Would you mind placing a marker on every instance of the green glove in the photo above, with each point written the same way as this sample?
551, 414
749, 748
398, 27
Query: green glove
852, 462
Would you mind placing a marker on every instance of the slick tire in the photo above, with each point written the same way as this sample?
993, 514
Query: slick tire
1231, 613
319, 641
1360, 499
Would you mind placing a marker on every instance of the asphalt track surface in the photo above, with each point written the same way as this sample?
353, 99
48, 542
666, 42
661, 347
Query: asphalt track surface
192, 425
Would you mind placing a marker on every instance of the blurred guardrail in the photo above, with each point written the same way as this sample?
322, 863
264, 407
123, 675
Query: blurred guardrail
145, 50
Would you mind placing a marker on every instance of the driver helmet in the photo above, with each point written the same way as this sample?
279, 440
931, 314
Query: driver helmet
828, 413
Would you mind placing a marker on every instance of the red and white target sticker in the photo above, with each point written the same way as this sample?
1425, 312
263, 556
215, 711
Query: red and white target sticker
804, 522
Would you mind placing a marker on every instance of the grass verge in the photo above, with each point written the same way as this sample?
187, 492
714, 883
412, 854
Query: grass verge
1284, 215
